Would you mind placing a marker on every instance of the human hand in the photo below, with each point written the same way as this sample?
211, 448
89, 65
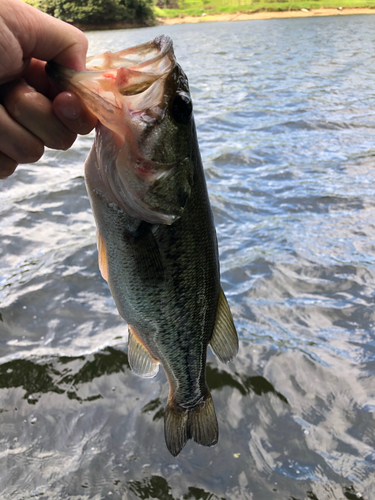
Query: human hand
32, 114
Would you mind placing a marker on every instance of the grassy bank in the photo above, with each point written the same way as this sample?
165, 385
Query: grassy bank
211, 7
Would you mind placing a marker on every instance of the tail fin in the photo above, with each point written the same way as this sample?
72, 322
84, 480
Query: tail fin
198, 423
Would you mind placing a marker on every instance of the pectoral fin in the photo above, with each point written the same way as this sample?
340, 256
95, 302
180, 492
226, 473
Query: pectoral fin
224, 341
102, 256
140, 360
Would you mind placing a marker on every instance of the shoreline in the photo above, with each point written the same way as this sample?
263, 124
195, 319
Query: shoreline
241, 16
234, 16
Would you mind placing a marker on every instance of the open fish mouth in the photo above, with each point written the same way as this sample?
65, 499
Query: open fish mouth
130, 93
113, 80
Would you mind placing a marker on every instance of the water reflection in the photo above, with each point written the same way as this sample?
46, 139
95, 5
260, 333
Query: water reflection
33, 378
157, 487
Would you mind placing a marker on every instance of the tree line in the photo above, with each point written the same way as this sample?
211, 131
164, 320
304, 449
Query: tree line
98, 12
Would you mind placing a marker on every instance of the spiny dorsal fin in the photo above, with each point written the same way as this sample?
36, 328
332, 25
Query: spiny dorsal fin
198, 423
140, 360
102, 256
224, 340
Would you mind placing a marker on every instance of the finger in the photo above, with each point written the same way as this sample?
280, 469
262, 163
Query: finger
73, 113
7, 166
27, 32
17, 143
34, 112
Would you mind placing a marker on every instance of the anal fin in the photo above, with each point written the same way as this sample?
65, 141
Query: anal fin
102, 256
140, 360
224, 340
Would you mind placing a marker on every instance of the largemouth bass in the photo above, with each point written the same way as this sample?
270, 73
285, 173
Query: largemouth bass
156, 237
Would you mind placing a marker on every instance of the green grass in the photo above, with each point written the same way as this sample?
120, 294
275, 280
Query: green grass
199, 7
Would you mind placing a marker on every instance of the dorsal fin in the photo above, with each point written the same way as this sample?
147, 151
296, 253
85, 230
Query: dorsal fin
224, 340
140, 360
102, 257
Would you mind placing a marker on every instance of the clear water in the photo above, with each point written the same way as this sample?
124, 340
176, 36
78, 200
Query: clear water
285, 111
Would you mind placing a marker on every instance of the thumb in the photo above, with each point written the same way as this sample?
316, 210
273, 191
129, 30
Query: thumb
29, 33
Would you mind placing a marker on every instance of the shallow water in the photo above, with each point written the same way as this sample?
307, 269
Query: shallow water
285, 111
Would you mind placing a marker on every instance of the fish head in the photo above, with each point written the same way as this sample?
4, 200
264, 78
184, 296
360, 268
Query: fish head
145, 134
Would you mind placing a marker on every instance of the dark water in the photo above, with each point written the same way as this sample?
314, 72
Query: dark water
286, 114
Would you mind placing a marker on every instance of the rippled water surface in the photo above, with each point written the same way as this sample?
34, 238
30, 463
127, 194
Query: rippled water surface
285, 111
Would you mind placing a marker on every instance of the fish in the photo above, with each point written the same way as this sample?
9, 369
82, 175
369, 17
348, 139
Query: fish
157, 244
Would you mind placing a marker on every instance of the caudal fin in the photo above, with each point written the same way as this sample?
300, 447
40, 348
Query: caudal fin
198, 423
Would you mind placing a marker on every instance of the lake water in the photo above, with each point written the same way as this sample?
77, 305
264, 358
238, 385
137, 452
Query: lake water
285, 111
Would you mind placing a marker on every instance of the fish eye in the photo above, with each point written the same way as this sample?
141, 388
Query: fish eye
182, 107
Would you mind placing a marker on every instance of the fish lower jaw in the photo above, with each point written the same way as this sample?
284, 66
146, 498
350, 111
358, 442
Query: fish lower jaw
148, 206
132, 207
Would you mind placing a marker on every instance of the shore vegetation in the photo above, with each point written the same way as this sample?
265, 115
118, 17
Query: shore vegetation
182, 8
102, 14
86, 13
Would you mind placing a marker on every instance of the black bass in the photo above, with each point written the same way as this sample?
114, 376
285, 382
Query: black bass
156, 236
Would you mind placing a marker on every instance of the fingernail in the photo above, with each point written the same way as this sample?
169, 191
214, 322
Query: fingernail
71, 109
